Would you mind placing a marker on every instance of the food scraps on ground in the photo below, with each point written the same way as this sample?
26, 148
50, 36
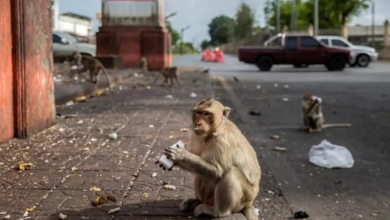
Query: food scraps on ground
280, 149
25, 166
275, 137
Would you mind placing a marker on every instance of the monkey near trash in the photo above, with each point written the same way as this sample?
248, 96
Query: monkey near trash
227, 172
313, 118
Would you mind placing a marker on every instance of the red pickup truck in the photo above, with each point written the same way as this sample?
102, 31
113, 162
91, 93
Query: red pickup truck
298, 50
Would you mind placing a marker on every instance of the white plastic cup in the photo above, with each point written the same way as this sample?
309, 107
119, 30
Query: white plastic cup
167, 163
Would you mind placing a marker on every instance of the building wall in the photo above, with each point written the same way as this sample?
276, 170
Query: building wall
54, 14
74, 25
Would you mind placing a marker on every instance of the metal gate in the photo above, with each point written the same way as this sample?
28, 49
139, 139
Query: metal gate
6, 73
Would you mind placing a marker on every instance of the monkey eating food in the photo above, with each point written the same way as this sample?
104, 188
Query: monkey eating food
227, 172
313, 118
82, 63
169, 73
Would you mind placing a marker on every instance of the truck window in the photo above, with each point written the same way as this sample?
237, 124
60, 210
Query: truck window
309, 42
291, 43
336, 42
56, 39
325, 41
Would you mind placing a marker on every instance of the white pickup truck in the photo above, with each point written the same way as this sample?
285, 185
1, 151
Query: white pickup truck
65, 45
363, 54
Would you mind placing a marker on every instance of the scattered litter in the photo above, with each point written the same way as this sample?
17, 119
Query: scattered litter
285, 99
146, 195
112, 211
93, 139
99, 200
70, 103
7, 216
257, 212
276, 85
80, 122
300, 215
170, 187
86, 148
27, 148
31, 209
25, 166
62, 216
184, 130
3, 213
255, 113
147, 87
61, 130
113, 136
281, 149
99, 92
125, 152
169, 97
286, 86
258, 87
67, 116
25, 214
154, 174
330, 156
73, 168
193, 95
136, 75
236, 79
275, 137
111, 198
171, 136
80, 99
151, 126
95, 189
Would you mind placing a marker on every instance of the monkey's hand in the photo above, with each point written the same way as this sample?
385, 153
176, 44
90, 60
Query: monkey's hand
176, 155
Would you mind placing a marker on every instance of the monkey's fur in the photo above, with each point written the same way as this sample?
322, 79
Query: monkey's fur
169, 73
227, 172
143, 64
313, 118
90, 64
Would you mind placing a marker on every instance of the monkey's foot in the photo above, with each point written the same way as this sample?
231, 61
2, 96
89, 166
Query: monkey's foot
310, 130
189, 205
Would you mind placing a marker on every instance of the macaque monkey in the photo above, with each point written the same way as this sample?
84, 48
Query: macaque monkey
143, 64
313, 119
227, 172
82, 63
169, 73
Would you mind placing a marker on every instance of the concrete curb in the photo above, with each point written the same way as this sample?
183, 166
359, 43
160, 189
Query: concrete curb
66, 93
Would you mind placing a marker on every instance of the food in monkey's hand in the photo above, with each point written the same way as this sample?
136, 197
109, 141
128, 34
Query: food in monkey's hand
167, 163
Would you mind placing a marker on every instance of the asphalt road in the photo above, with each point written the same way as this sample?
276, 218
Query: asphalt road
356, 95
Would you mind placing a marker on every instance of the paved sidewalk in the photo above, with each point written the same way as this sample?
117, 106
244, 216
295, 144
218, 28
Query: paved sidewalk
76, 156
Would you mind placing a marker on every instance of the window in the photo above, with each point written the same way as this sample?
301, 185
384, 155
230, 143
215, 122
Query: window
336, 42
309, 42
56, 39
325, 41
291, 43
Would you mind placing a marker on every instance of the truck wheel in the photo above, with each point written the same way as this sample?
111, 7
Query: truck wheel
265, 63
337, 63
363, 60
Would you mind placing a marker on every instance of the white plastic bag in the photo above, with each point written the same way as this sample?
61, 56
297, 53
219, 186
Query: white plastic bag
330, 156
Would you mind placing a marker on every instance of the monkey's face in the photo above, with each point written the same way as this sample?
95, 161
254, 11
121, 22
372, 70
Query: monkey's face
307, 101
202, 121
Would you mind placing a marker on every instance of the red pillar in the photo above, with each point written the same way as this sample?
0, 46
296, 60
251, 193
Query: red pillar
26, 72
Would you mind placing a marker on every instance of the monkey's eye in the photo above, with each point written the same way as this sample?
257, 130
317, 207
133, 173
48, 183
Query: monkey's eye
206, 114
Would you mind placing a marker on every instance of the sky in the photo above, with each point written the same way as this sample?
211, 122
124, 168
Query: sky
198, 13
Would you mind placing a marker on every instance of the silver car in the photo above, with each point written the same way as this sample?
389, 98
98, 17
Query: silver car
363, 55
65, 45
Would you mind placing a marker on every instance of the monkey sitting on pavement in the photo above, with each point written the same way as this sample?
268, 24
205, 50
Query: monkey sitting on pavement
143, 65
169, 73
82, 63
313, 118
227, 172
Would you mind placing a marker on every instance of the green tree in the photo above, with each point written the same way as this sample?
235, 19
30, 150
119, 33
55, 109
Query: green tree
205, 44
245, 21
175, 36
221, 30
332, 14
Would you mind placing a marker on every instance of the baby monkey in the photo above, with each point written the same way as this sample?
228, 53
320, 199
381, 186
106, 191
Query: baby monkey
313, 119
169, 73
143, 64
82, 63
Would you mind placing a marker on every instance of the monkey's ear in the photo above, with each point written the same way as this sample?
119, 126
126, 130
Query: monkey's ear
226, 111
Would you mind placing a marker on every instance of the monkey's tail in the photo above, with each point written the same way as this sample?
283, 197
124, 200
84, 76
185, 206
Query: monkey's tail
107, 76
336, 125
250, 213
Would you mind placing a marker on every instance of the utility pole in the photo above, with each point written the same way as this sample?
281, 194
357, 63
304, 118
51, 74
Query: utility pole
181, 38
292, 23
315, 17
278, 16
373, 24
